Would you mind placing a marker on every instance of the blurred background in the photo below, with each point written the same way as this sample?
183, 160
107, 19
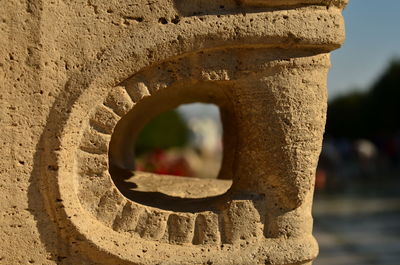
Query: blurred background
357, 199
186, 141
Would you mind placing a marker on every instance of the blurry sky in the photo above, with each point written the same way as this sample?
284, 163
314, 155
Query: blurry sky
200, 111
372, 40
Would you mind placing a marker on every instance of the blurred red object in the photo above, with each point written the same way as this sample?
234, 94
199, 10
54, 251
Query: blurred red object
162, 162
320, 179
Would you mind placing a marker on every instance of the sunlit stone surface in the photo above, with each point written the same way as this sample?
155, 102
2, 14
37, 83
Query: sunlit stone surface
79, 79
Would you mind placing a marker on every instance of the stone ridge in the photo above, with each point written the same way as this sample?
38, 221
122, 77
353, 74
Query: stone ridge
286, 3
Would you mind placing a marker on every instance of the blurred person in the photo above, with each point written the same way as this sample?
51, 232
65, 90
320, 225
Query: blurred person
366, 153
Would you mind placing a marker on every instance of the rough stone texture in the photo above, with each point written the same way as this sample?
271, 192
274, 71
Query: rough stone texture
80, 78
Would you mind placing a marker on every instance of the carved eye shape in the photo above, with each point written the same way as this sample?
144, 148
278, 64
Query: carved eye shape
263, 155
175, 220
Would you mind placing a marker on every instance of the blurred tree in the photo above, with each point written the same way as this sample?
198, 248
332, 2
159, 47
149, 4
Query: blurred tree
383, 101
367, 114
165, 131
345, 117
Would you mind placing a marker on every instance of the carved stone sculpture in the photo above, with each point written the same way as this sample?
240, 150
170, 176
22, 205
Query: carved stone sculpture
81, 78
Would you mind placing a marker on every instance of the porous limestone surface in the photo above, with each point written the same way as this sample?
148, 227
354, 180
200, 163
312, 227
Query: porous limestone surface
80, 78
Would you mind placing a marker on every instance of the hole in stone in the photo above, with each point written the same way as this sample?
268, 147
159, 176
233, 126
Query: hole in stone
190, 129
170, 157
163, 20
183, 147
176, 20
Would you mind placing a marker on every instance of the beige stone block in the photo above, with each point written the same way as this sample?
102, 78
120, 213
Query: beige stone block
79, 79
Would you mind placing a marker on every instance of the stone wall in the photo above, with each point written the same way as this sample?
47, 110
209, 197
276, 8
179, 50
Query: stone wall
79, 77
